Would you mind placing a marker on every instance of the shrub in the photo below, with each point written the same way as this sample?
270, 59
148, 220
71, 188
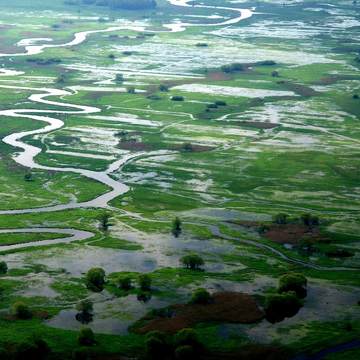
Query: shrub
220, 103
192, 262
21, 311
3, 267
280, 306
125, 283
144, 282
201, 296
86, 337
184, 352
131, 90
293, 282
177, 98
95, 279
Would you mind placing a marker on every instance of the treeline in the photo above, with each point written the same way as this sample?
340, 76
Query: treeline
117, 4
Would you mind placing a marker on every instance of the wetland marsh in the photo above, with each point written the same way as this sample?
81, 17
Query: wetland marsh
201, 154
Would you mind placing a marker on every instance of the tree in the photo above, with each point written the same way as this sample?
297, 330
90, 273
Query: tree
112, 57
293, 282
192, 262
95, 279
105, 221
176, 227
131, 90
21, 311
275, 74
86, 337
3, 267
125, 283
280, 306
145, 282
280, 219
201, 296
119, 78
85, 308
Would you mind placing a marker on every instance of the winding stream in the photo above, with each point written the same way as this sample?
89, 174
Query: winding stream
27, 156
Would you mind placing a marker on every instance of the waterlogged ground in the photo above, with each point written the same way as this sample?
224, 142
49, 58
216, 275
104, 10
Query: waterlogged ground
285, 138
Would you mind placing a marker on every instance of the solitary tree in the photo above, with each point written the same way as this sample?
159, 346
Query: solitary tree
95, 279
104, 219
192, 262
85, 314
176, 227
144, 282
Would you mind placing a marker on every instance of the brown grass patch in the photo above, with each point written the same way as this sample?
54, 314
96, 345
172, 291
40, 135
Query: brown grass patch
227, 307
256, 124
134, 146
195, 148
291, 233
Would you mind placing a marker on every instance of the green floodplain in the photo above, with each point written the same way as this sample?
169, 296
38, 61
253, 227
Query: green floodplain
180, 180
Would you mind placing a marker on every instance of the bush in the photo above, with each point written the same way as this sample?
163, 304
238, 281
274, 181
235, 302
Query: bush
184, 352
192, 262
201, 296
280, 306
3, 267
177, 98
86, 337
125, 283
95, 279
144, 282
293, 282
220, 103
21, 311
